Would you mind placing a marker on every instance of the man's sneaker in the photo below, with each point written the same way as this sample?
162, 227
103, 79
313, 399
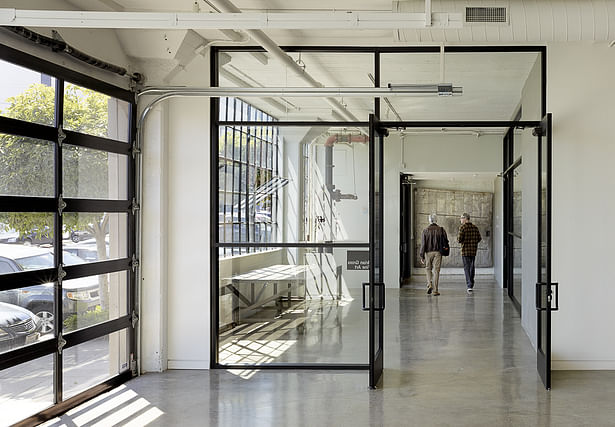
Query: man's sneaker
429, 290
436, 293
469, 290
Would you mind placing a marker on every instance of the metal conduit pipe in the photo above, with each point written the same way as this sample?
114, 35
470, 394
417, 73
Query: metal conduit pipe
270, 46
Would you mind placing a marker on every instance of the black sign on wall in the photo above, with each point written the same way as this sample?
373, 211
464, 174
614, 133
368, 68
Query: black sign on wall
357, 260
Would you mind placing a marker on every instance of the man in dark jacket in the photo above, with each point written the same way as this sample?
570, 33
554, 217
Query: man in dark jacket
469, 236
431, 245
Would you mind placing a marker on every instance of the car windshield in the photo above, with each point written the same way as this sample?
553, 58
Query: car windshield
46, 260
36, 262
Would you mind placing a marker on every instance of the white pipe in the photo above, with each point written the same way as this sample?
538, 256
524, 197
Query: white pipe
270, 46
305, 92
232, 20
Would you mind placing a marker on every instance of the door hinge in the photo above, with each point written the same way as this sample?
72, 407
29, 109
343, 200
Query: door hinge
61, 343
134, 318
135, 150
61, 205
61, 136
134, 206
61, 273
134, 263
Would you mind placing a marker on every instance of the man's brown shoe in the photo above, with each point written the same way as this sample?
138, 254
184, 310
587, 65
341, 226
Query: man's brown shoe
436, 293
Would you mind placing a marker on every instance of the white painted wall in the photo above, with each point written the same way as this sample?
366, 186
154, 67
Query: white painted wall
581, 96
154, 261
430, 153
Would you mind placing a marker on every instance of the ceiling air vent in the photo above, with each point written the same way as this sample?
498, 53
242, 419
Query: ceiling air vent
486, 14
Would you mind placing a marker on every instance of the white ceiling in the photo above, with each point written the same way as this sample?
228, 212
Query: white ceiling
492, 82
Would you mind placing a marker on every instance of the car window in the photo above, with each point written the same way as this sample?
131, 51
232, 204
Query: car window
5, 267
71, 259
36, 262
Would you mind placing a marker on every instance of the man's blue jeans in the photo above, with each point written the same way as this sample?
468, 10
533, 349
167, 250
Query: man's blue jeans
468, 269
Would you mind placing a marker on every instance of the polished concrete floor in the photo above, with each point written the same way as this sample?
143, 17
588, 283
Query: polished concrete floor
451, 360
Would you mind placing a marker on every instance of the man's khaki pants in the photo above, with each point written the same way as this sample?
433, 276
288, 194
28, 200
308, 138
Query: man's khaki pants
433, 260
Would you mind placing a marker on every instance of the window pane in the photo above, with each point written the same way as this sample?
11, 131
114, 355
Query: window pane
26, 389
280, 311
24, 316
26, 166
30, 229
95, 361
94, 113
94, 237
26, 94
94, 174
92, 300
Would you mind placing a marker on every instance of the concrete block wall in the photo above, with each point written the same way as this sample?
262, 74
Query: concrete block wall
449, 205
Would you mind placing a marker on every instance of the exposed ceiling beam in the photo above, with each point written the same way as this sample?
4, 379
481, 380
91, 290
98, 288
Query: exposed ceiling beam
229, 21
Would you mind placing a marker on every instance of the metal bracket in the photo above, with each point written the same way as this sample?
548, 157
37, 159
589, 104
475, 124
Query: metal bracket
135, 151
61, 343
538, 131
552, 289
134, 206
134, 263
61, 274
61, 136
134, 319
61, 205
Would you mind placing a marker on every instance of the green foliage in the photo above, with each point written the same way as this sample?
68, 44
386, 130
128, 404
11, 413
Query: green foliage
27, 165
86, 318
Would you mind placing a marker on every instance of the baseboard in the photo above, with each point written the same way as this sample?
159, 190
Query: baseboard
188, 364
583, 365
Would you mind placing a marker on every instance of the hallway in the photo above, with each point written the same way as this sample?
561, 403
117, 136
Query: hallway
455, 359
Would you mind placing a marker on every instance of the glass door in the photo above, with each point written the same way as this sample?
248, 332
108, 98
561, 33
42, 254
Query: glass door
376, 232
546, 292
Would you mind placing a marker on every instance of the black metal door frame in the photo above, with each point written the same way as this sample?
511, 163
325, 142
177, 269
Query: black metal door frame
546, 291
376, 251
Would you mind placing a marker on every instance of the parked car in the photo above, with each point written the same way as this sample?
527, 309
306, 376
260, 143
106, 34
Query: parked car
86, 250
18, 327
78, 295
37, 237
79, 235
7, 234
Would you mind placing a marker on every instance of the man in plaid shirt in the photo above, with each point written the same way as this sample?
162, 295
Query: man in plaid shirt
469, 236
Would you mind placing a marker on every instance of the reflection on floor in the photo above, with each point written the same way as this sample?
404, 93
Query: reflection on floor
310, 331
451, 360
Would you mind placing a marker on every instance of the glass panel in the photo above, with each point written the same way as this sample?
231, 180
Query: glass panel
94, 237
94, 174
497, 79
20, 235
329, 69
27, 315
95, 361
94, 113
92, 300
297, 305
320, 193
26, 166
26, 389
26, 94
517, 208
